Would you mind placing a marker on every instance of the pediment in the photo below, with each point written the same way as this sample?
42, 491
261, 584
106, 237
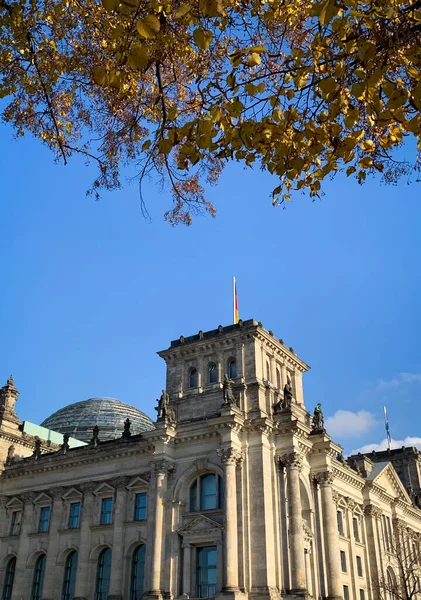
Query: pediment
72, 494
389, 480
104, 488
138, 482
43, 499
14, 504
200, 524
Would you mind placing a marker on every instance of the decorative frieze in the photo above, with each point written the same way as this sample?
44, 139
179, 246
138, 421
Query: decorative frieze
324, 478
372, 511
230, 456
293, 460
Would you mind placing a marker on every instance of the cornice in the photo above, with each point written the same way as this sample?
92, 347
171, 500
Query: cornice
349, 476
84, 455
27, 441
281, 350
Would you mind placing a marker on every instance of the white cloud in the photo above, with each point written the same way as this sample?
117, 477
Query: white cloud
348, 424
408, 441
397, 381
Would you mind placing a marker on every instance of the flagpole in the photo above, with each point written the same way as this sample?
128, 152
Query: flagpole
233, 299
386, 424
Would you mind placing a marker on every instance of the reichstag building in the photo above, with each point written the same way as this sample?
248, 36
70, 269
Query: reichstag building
235, 491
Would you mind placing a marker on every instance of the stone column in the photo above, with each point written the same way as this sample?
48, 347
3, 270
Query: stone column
116, 584
187, 563
294, 464
82, 590
309, 578
330, 526
284, 375
20, 580
50, 578
230, 457
162, 469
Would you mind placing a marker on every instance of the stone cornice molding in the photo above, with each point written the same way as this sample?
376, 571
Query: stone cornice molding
75, 458
195, 435
292, 460
349, 476
163, 466
230, 456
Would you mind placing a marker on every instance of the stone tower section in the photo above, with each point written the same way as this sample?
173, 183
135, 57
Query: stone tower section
263, 373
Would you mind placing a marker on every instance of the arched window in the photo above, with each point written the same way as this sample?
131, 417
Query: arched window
193, 378
391, 584
38, 581
8, 579
212, 373
278, 379
69, 580
103, 573
232, 368
207, 492
138, 573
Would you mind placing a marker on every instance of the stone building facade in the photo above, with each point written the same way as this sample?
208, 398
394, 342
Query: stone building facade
237, 493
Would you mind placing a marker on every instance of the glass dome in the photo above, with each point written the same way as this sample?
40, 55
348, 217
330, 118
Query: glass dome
109, 414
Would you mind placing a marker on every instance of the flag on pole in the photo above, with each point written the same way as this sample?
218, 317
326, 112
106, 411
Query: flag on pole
236, 317
386, 424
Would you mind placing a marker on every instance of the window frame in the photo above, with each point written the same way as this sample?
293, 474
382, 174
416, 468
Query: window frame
200, 568
9, 578
102, 594
69, 578
356, 528
102, 520
212, 368
232, 368
15, 524
346, 593
340, 521
70, 525
193, 383
42, 520
362, 594
38, 577
343, 561
360, 570
134, 590
136, 508
198, 501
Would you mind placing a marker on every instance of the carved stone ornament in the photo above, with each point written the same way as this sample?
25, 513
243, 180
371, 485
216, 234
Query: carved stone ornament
308, 534
118, 482
335, 496
28, 497
4, 500
57, 493
163, 467
88, 487
230, 456
293, 460
372, 511
324, 478
399, 525
351, 504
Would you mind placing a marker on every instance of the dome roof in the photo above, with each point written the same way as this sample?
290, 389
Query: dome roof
109, 414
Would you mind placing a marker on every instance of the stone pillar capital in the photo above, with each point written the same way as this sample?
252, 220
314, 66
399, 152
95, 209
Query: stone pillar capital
88, 487
28, 497
57, 493
163, 467
292, 460
324, 478
372, 511
118, 483
3, 501
230, 456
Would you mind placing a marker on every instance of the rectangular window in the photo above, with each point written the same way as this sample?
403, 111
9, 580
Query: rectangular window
362, 595
340, 522
356, 529
44, 519
74, 515
346, 592
206, 572
106, 511
359, 566
15, 522
343, 561
140, 507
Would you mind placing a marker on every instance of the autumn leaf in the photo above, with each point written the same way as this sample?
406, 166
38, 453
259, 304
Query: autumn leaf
202, 38
148, 27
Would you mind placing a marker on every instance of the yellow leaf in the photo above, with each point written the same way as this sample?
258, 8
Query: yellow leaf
99, 75
350, 171
367, 50
328, 85
138, 57
365, 163
182, 10
110, 5
210, 8
148, 27
358, 90
146, 145
253, 59
165, 146
202, 38
368, 146
326, 11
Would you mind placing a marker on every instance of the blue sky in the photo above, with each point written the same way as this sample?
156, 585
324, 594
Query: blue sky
90, 290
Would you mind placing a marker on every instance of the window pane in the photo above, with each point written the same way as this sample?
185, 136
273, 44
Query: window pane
103, 575
232, 369
15, 522
278, 379
44, 519
193, 496
106, 511
8, 579
346, 592
213, 375
193, 378
356, 529
74, 514
362, 595
340, 523
206, 572
343, 561
359, 566
70, 577
138, 573
208, 492
38, 580
140, 507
